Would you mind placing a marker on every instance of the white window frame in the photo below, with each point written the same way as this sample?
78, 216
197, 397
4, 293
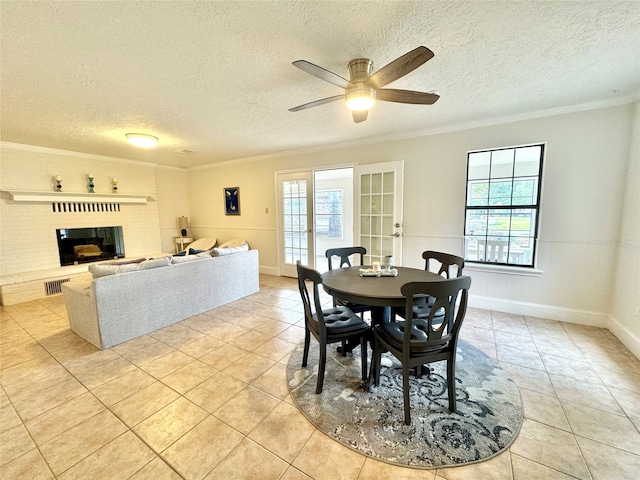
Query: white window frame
500, 251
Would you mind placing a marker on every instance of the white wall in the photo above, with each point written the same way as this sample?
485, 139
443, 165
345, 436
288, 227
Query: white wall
28, 239
626, 288
583, 186
173, 202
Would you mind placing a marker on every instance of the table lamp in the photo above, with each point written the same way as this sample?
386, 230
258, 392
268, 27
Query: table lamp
183, 222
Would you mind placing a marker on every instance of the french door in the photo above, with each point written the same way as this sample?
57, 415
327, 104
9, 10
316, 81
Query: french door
377, 216
295, 194
379, 190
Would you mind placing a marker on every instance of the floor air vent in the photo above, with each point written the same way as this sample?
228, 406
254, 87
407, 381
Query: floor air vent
51, 288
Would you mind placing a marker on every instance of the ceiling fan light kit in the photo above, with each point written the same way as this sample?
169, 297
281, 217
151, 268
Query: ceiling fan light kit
362, 89
360, 98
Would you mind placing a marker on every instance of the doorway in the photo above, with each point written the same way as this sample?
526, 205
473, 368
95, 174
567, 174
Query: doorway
339, 207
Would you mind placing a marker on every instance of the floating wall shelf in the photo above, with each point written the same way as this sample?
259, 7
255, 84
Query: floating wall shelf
46, 197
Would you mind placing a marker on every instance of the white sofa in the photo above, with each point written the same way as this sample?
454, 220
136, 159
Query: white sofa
112, 309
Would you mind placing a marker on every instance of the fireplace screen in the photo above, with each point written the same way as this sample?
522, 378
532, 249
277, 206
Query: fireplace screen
83, 245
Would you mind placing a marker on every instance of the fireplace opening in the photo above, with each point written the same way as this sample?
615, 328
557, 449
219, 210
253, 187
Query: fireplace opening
84, 245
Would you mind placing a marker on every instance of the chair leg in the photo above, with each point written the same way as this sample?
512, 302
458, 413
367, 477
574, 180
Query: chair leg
376, 359
451, 384
307, 339
344, 348
405, 388
363, 356
321, 366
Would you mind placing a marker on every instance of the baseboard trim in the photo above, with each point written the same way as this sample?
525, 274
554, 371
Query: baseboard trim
269, 270
583, 317
628, 338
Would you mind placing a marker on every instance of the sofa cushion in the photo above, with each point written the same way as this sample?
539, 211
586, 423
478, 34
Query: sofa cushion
155, 263
186, 258
98, 271
219, 251
126, 262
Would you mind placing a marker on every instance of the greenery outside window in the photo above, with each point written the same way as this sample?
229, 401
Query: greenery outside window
502, 205
328, 216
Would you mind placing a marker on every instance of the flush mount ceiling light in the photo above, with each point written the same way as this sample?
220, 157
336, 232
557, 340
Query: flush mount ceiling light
142, 140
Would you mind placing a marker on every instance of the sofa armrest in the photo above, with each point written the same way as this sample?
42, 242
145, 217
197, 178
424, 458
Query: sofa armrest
79, 298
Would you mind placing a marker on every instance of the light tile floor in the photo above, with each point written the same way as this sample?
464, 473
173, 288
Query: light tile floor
207, 398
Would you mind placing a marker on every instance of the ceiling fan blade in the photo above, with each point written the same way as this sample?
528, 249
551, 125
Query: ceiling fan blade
322, 73
399, 67
316, 103
406, 96
360, 115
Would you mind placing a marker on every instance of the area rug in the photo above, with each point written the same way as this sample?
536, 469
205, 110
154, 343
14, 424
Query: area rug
488, 420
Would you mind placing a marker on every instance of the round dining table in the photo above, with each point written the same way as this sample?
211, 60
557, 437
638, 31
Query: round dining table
381, 293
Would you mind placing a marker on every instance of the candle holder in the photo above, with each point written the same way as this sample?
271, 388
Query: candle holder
58, 183
90, 183
114, 185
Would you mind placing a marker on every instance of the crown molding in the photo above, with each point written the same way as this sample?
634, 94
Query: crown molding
550, 112
69, 153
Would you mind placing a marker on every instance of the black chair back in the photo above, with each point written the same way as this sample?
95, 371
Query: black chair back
446, 260
311, 301
344, 253
445, 317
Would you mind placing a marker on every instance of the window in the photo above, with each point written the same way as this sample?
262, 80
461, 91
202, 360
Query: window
328, 213
502, 205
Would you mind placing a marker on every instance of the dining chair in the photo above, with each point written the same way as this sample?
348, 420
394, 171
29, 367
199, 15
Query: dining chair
332, 325
344, 253
417, 341
444, 263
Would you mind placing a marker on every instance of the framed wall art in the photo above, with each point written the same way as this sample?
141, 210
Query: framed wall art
232, 201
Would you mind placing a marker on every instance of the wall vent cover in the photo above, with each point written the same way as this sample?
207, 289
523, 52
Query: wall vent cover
55, 286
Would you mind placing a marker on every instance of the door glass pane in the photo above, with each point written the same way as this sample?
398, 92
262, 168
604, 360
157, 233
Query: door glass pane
387, 207
295, 221
376, 183
376, 204
365, 226
365, 184
365, 204
387, 226
376, 226
387, 246
387, 182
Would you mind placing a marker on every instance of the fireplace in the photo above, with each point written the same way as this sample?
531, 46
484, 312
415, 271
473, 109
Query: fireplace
84, 245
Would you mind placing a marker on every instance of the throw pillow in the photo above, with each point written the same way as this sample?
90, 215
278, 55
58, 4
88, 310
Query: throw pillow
155, 263
181, 254
235, 242
193, 251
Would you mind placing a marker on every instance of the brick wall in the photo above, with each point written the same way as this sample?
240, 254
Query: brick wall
28, 239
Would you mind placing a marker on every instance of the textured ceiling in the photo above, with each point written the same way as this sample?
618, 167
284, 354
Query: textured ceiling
215, 77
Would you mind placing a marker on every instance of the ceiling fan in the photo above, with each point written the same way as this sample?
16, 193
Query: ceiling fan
363, 89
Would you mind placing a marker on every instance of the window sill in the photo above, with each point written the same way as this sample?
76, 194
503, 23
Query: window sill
503, 269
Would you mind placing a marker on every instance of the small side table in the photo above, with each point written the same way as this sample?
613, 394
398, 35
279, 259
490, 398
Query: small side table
181, 242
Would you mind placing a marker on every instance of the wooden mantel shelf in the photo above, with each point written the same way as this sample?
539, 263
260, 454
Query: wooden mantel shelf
77, 197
